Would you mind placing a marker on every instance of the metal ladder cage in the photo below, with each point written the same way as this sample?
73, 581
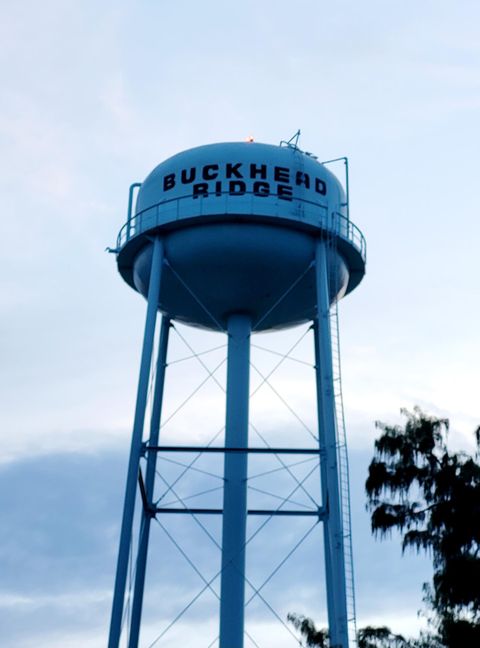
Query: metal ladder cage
343, 475
342, 450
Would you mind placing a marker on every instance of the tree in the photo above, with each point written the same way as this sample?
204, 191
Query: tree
432, 496
307, 629
381, 637
369, 637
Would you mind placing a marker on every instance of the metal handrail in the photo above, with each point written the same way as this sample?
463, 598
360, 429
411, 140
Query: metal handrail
337, 223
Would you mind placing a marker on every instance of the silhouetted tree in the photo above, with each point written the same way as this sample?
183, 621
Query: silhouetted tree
432, 496
369, 637
307, 629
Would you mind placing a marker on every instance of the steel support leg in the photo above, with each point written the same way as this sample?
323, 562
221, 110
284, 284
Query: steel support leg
232, 599
149, 484
333, 531
136, 446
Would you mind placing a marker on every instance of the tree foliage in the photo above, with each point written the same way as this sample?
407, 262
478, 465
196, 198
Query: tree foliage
432, 496
309, 632
369, 637
381, 637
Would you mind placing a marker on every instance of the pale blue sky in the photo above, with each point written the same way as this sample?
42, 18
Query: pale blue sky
94, 95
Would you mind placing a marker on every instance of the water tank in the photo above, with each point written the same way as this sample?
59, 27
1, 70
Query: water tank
239, 222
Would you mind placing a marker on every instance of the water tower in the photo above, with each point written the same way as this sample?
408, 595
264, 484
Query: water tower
240, 238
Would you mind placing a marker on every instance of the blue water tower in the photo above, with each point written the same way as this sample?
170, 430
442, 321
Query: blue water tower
240, 238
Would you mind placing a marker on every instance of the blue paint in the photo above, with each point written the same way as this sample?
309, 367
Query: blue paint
232, 595
235, 238
149, 484
136, 446
327, 433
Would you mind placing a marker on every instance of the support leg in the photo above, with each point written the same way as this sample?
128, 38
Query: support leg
136, 446
149, 484
333, 532
232, 599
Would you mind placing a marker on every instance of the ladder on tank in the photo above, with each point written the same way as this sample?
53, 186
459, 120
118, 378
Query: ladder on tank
342, 451
343, 474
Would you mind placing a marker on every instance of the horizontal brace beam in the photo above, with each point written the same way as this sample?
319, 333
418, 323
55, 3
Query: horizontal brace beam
319, 513
302, 451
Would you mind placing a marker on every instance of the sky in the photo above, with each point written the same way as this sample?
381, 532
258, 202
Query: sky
94, 95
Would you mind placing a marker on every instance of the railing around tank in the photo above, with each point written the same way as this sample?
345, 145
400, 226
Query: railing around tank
309, 212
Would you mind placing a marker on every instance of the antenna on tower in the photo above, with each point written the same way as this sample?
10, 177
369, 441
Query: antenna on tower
293, 141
